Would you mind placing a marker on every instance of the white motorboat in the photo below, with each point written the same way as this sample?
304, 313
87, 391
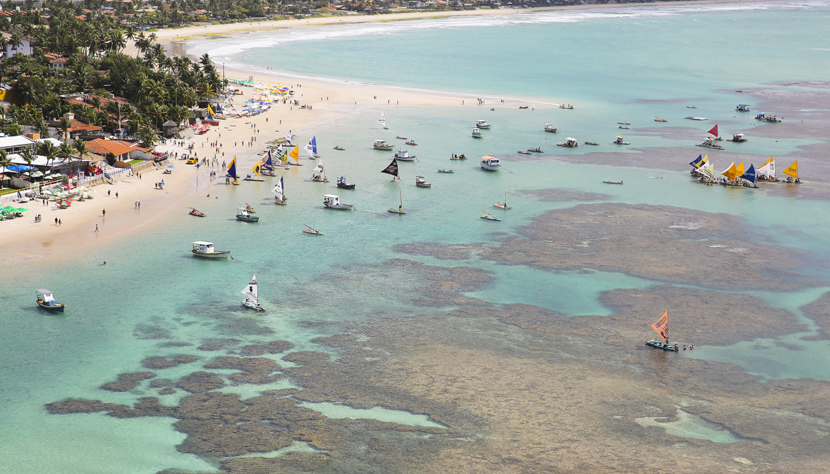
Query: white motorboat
482, 124
477, 133
403, 155
569, 143
332, 201
382, 145
488, 163
206, 250
550, 128
620, 141
421, 182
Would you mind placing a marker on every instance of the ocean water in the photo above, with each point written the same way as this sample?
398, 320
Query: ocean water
626, 64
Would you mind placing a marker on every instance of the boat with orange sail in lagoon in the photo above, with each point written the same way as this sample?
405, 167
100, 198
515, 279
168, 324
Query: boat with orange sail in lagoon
661, 326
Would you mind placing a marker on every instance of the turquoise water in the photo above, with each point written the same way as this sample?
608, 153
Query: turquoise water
609, 63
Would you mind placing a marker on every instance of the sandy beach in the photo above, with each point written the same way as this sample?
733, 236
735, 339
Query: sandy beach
30, 241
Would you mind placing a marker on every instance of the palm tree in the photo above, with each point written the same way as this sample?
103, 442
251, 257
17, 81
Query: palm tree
4, 160
65, 151
48, 150
65, 124
29, 157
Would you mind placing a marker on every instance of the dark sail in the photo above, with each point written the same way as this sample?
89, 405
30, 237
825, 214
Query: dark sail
392, 168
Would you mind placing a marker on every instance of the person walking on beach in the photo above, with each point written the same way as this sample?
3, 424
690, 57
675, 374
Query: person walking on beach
96, 228
56, 221
104, 213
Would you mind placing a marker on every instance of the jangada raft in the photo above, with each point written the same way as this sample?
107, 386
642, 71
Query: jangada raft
661, 326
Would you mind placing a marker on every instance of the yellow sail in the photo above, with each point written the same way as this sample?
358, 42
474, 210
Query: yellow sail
662, 326
730, 172
740, 170
257, 167
704, 162
792, 170
295, 153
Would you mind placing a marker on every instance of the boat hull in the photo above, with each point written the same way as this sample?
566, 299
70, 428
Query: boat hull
219, 254
661, 345
251, 305
247, 218
340, 207
57, 307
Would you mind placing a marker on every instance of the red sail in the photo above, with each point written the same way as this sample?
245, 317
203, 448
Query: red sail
662, 326
714, 130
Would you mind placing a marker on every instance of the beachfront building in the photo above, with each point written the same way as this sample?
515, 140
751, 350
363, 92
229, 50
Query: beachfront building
123, 151
15, 145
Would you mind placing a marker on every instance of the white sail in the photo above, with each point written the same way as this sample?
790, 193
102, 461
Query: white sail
309, 148
278, 191
767, 171
318, 173
251, 290
288, 136
382, 121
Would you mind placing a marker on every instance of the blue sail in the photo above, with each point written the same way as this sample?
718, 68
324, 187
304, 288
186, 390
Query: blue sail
749, 175
232, 169
696, 163
268, 163
314, 144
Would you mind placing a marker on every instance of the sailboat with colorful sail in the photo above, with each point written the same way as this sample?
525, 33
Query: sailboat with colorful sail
766, 172
661, 326
232, 172
792, 173
251, 292
748, 178
295, 153
279, 193
393, 170
382, 121
311, 148
267, 164
257, 168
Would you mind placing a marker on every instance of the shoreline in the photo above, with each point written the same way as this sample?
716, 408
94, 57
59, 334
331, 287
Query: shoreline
29, 243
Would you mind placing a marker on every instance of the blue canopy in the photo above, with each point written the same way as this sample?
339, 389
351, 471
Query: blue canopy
20, 168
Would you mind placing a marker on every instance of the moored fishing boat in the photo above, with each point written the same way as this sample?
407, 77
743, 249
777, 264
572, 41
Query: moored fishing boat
46, 300
503, 205
403, 155
769, 118
792, 173
343, 184
458, 157
251, 292
206, 250
524, 152
690, 117
592, 143
244, 214
399, 210
535, 150
569, 142
382, 145
766, 172
319, 174
421, 182
332, 201
738, 138
482, 124
477, 133
612, 181
411, 143
196, 212
488, 163
658, 119
445, 171
661, 326
710, 143
338, 147
550, 128
742, 108
619, 141
311, 231
489, 217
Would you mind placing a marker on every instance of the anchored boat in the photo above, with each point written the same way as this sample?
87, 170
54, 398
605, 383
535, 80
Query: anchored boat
46, 300
206, 250
252, 294
661, 326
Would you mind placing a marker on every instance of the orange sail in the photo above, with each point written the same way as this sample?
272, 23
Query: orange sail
739, 170
730, 172
662, 326
792, 170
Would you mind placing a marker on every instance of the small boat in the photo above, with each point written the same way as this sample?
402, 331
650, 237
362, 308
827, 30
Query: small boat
769, 118
399, 210
695, 118
332, 201
766, 172
279, 193
318, 174
742, 108
482, 124
738, 138
445, 171
524, 152
625, 128
46, 300
400, 137
592, 143
411, 143
343, 184
458, 157
624, 123
421, 182
550, 128
252, 178
488, 163
792, 173
249, 208
338, 147
382, 145
477, 133
252, 295
619, 141
196, 212
658, 119
661, 326
691, 106
382, 121
243, 214
535, 150
611, 181
569, 143
710, 143
489, 217
524, 107
503, 205
403, 155
309, 230
568, 107
206, 250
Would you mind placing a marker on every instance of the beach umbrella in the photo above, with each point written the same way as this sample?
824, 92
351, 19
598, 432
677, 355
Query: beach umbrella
64, 202
170, 166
